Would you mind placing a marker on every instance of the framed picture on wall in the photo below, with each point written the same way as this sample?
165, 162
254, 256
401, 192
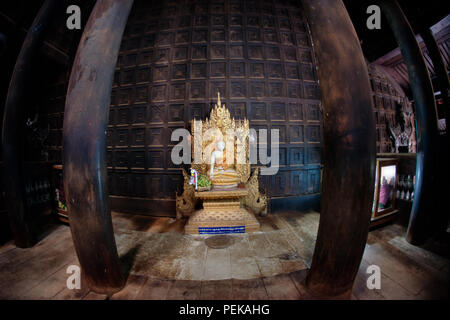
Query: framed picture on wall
386, 179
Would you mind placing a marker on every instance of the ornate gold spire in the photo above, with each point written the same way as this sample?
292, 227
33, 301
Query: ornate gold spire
218, 98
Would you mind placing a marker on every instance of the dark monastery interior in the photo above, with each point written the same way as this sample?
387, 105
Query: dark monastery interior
226, 149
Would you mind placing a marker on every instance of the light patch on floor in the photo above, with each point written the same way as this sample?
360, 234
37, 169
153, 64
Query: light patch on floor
157, 250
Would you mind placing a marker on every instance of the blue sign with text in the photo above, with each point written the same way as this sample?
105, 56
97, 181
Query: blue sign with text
221, 230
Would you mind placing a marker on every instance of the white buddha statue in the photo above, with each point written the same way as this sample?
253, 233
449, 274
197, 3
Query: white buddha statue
220, 174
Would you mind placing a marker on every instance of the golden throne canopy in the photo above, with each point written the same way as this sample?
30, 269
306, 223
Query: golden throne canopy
221, 126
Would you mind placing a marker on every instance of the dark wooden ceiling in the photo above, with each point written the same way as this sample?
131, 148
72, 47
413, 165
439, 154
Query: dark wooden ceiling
377, 43
396, 67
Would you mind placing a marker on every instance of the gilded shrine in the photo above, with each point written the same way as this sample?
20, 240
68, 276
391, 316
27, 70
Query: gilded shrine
221, 149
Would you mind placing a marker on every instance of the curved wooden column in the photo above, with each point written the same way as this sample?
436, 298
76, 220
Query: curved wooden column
349, 151
420, 222
12, 133
443, 85
85, 124
439, 67
2, 44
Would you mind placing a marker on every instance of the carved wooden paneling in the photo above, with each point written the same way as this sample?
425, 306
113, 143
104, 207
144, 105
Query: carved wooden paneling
176, 55
387, 95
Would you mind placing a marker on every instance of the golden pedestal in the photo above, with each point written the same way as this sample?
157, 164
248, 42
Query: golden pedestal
221, 213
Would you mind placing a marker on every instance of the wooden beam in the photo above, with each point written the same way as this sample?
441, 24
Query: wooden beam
12, 133
443, 85
349, 151
85, 124
440, 70
420, 223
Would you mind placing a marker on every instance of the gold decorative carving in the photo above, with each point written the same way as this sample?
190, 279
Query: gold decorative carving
220, 125
225, 205
254, 200
185, 203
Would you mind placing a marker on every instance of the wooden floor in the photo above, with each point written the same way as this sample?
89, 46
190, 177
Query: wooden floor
284, 244
407, 272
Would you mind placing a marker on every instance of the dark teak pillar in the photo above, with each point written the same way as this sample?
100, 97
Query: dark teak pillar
13, 125
85, 124
443, 85
349, 151
441, 71
420, 222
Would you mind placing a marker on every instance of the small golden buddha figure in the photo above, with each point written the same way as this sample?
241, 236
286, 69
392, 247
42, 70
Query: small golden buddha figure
222, 175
